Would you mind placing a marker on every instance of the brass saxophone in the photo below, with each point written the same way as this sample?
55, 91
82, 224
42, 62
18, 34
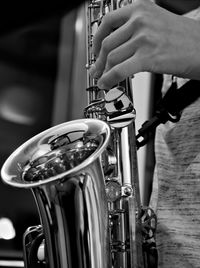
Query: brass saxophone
83, 175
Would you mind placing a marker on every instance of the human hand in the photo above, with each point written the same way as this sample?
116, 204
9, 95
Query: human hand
145, 37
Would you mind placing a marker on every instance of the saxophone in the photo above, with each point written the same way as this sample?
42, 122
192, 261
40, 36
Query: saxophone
84, 178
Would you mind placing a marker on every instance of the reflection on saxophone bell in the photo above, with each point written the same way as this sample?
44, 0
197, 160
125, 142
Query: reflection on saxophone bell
83, 175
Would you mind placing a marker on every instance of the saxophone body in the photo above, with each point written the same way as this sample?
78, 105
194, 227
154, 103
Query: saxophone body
84, 178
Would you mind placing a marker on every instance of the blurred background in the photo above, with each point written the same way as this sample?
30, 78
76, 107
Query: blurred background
42, 83
42, 67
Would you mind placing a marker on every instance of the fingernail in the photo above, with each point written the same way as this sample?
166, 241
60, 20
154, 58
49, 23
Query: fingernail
92, 70
101, 85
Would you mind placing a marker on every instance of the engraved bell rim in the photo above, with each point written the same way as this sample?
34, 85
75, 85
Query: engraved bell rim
10, 173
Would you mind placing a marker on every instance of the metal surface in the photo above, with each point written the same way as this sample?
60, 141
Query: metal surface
72, 203
41, 146
116, 107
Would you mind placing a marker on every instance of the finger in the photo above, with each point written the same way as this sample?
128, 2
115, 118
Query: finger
121, 54
121, 71
110, 43
110, 22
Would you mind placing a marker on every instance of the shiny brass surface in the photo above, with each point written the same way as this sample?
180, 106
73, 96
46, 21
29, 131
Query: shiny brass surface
72, 203
41, 149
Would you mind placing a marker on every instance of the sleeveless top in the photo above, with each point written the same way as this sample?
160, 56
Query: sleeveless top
176, 187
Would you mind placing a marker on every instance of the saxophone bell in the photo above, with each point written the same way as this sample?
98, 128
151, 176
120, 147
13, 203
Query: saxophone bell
62, 168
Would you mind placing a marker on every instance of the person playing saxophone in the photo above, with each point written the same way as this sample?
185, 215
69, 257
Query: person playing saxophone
146, 37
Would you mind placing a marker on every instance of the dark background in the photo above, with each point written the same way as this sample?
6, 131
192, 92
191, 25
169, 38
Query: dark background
28, 73
29, 46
